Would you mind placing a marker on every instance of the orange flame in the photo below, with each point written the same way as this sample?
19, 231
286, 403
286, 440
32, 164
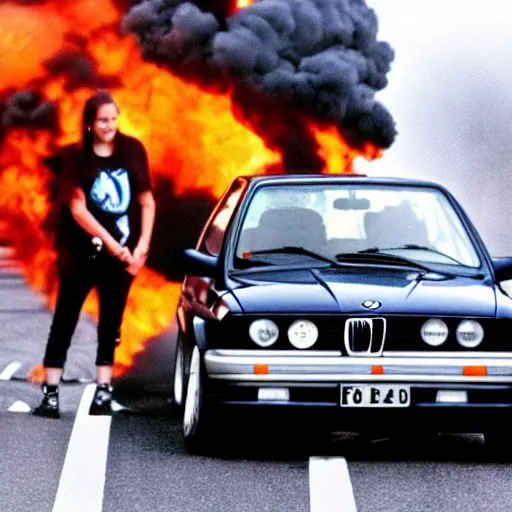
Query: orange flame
338, 155
192, 136
240, 4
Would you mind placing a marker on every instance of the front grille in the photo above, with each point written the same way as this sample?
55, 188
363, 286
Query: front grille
364, 336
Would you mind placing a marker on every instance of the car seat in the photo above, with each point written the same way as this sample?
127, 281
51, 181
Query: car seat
280, 227
395, 226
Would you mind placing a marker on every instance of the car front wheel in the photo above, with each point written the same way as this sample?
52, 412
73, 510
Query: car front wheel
179, 375
196, 421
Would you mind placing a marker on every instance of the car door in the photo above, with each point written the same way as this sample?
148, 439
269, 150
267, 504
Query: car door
200, 292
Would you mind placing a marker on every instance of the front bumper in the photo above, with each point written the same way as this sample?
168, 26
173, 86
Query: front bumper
295, 366
314, 380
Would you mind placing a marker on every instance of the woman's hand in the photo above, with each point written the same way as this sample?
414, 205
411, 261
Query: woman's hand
140, 251
140, 255
120, 252
125, 256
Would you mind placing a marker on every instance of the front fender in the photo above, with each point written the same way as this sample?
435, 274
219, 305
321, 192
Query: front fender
200, 333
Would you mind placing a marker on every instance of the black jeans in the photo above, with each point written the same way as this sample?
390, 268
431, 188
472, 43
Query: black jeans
78, 276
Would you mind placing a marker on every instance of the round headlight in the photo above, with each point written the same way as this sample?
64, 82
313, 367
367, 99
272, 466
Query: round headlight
434, 332
303, 334
470, 333
264, 332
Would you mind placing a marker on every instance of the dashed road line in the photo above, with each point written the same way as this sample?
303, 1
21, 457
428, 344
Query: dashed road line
19, 406
10, 370
330, 489
82, 480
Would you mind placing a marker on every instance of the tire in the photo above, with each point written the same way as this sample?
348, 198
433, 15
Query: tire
197, 422
179, 374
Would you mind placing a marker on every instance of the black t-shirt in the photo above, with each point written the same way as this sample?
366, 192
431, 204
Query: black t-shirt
111, 186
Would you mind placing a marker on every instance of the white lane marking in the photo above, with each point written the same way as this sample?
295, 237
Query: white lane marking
82, 480
330, 489
10, 370
19, 406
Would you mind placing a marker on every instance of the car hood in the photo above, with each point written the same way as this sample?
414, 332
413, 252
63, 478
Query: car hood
345, 291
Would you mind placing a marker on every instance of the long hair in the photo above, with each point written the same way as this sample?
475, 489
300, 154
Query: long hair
88, 117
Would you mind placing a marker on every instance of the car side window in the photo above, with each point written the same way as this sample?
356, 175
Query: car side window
216, 229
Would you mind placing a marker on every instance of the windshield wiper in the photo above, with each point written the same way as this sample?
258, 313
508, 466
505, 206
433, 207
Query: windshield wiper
375, 255
413, 247
292, 249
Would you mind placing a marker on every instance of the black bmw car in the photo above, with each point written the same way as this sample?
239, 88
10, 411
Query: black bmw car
365, 300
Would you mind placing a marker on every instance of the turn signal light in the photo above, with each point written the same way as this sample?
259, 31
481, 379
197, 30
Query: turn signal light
377, 369
261, 369
475, 371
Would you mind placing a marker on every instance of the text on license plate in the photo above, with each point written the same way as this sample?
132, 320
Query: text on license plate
375, 395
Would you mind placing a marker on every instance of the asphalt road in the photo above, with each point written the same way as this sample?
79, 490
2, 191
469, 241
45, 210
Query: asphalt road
136, 461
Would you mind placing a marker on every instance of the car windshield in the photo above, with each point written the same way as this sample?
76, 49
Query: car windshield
340, 221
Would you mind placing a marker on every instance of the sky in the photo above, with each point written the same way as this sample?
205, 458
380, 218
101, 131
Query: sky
450, 93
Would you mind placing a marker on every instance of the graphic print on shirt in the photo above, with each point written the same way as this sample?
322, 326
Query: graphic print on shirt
111, 193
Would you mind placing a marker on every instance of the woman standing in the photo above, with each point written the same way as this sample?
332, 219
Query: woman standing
103, 242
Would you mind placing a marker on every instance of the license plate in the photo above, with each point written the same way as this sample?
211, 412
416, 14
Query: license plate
375, 395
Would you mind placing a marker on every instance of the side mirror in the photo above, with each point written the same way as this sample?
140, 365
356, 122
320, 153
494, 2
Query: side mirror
199, 264
502, 268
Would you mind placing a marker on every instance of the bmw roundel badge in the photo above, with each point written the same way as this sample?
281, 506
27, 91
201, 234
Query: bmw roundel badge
371, 304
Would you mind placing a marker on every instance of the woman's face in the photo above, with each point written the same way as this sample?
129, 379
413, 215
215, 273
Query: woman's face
104, 127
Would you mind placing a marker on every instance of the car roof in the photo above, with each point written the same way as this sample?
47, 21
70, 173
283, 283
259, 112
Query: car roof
340, 178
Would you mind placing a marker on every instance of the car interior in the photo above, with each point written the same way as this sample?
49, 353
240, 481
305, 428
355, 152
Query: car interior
304, 227
394, 226
280, 227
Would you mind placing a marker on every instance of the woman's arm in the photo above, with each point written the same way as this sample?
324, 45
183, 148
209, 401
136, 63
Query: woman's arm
147, 205
140, 253
88, 223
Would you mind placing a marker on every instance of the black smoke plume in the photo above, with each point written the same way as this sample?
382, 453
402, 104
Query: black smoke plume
26, 109
79, 69
284, 61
